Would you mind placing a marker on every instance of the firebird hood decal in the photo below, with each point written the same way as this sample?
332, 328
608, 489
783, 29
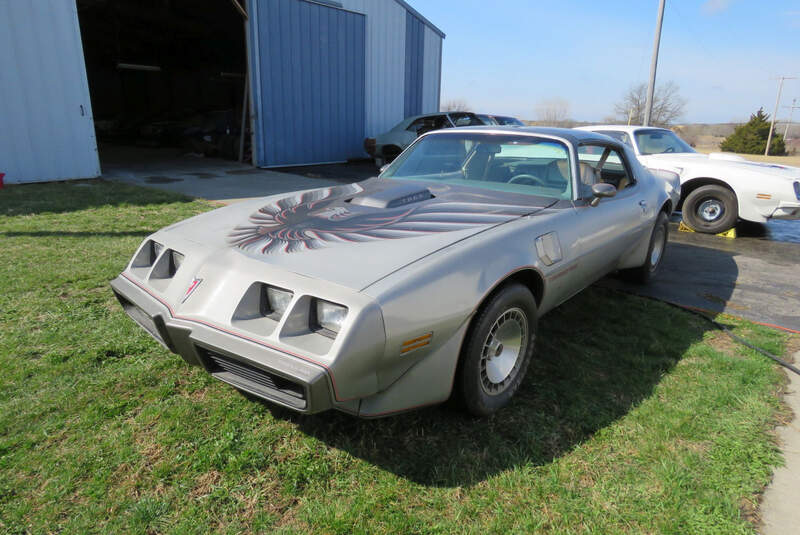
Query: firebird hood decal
316, 219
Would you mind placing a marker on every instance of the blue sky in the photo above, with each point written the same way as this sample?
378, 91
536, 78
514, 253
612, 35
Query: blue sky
506, 56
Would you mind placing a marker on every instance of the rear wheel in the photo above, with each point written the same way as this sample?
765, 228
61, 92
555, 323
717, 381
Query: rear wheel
655, 253
497, 351
711, 209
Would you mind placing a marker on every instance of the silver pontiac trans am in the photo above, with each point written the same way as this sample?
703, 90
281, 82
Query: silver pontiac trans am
403, 290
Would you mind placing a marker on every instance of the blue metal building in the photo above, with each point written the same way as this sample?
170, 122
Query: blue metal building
325, 75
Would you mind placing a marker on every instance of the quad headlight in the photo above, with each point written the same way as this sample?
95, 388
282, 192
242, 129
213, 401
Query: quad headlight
327, 317
275, 302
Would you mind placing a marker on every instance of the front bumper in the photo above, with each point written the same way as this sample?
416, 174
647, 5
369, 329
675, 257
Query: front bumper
786, 210
235, 359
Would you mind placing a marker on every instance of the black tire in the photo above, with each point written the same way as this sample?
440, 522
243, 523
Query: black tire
658, 245
482, 387
710, 209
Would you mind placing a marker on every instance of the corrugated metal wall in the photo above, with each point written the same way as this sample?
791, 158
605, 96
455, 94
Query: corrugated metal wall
431, 71
401, 57
386, 35
310, 84
46, 127
415, 61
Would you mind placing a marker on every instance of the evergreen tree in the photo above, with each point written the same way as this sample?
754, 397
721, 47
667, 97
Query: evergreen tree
751, 137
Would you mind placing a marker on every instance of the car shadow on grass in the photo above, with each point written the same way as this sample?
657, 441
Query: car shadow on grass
74, 196
598, 356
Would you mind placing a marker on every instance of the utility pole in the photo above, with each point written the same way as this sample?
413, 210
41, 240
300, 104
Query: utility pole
777, 103
791, 112
648, 108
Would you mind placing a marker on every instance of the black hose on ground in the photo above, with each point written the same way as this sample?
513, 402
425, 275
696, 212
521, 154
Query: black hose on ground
789, 366
744, 342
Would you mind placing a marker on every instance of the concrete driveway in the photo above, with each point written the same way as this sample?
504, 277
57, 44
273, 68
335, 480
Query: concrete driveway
208, 178
752, 278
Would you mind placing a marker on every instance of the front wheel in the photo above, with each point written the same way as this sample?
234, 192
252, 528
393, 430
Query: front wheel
497, 351
655, 253
711, 209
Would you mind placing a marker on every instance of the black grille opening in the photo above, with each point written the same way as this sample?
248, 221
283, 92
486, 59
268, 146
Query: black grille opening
154, 326
255, 380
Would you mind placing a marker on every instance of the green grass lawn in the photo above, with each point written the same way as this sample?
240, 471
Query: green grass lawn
635, 417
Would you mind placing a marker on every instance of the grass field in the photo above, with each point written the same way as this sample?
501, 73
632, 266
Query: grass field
635, 417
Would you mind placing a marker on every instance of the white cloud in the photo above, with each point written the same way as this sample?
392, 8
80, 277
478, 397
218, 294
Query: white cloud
712, 7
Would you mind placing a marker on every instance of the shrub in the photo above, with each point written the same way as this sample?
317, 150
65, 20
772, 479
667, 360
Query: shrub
751, 137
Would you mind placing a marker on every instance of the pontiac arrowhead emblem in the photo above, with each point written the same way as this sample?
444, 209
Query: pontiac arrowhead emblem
192, 287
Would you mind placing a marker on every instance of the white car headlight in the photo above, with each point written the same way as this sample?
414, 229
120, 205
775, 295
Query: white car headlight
276, 301
328, 317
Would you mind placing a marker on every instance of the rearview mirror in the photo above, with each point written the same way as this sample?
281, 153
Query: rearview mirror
600, 191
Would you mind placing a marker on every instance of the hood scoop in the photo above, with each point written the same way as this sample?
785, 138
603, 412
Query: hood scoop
394, 196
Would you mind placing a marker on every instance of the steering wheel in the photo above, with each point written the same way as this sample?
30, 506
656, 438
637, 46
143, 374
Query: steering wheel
525, 177
669, 149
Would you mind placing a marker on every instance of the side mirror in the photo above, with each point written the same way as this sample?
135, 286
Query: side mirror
600, 191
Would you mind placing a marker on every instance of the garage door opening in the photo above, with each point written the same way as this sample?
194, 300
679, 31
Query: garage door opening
167, 79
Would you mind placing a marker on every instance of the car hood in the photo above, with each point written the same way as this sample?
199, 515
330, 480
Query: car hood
720, 160
354, 234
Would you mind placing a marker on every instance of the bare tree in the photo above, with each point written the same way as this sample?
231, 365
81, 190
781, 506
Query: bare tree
668, 105
455, 104
552, 112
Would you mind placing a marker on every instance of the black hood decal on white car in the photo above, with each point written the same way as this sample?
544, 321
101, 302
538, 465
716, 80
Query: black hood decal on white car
319, 218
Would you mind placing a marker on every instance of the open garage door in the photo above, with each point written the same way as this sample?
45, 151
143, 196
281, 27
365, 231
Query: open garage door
309, 82
46, 128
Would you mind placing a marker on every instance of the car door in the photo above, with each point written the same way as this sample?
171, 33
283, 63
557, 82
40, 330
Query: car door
616, 224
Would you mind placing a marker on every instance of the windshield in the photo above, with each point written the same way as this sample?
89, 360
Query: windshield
660, 142
619, 136
521, 164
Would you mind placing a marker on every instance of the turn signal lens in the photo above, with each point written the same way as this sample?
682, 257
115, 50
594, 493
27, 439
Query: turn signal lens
329, 317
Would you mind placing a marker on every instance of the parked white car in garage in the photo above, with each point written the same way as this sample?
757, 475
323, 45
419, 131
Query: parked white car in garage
718, 188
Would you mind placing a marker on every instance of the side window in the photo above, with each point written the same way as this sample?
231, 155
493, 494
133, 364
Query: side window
416, 125
599, 163
427, 124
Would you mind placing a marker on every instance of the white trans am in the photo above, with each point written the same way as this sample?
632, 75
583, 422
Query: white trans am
718, 188
399, 291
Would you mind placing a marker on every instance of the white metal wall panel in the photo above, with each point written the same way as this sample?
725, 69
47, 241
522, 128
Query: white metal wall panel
46, 127
386, 32
431, 71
